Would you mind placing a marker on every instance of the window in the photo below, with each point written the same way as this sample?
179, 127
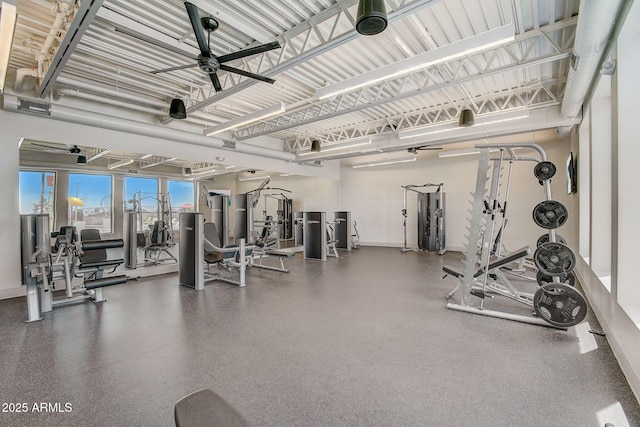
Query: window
182, 199
89, 204
141, 195
37, 193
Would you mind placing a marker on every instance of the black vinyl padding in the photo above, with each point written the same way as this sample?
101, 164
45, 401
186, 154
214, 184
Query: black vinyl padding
105, 281
520, 253
90, 245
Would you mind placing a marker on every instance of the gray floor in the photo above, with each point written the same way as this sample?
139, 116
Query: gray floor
362, 340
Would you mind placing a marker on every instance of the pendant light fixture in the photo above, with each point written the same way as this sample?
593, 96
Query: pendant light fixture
372, 17
177, 109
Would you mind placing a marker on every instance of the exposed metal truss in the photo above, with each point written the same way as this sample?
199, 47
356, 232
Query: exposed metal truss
479, 66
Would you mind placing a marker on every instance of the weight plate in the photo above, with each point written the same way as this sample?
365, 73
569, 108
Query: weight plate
545, 238
559, 304
550, 214
554, 259
543, 279
544, 170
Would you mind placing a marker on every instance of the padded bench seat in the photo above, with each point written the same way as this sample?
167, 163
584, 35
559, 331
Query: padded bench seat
514, 256
105, 263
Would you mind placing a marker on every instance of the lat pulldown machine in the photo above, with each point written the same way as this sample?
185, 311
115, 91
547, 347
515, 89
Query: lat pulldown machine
431, 209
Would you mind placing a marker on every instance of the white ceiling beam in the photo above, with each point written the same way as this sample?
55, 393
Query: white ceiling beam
234, 19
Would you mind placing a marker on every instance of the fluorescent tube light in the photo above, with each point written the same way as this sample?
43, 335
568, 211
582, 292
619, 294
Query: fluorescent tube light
384, 162
120, 163
8, 17
456, 153
287, 174
252, 177
146, 156
466, 152
245, 120
150, 165
336, 146
448, 126
439, 55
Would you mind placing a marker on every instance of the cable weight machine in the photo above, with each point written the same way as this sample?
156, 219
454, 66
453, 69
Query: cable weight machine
431, 211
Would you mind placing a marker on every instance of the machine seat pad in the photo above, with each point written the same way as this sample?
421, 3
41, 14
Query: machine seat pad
98, 264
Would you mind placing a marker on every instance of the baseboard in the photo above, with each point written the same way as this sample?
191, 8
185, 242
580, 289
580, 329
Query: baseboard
18, 291
623, 335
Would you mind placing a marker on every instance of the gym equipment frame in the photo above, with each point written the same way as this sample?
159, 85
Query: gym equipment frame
431, 210
42, 268
557, 304
197, 244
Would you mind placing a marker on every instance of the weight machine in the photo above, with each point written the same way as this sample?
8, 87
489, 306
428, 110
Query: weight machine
244, 222
43, 266
557, 304
156, 238
199, 245
431, 210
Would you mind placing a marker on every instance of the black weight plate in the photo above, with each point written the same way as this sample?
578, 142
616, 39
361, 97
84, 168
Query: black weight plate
543, 279
545, 238
559, 304
544, 170
550, 214
554, 259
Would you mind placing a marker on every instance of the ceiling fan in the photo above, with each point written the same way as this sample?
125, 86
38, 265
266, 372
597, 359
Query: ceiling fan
74, 149
208, 62
415, 150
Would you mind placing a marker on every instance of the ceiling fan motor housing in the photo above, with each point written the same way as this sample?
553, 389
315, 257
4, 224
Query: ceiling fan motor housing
208, 65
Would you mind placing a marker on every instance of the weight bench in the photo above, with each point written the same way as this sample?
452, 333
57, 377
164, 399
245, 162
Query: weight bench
280, 253
501, 262
499, 284
205, 408
228, 256
94, 262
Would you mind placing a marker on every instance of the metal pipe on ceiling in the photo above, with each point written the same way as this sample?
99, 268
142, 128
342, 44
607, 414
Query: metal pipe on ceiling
596, 20
72, 115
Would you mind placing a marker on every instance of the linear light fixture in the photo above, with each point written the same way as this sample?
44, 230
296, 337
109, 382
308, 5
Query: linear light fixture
120, 163
146, 156
482, 41
245, 120
384, 162
8, 17
150, 165
287, 174
452, 125
252, 177
465, 152
336, 146
97, 156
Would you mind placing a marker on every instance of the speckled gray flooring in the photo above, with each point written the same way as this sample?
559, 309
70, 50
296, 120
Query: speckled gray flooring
363, 340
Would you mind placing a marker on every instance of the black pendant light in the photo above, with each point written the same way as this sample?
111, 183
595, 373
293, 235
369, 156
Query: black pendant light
466, 118
177, 109
82, 160
315, 146
372, 17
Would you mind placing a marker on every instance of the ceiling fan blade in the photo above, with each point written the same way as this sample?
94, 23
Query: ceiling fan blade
216, 82
179, 67
248, 52
246, 74
198, 31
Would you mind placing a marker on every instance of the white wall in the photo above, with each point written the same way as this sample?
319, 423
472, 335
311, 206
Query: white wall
375, 197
